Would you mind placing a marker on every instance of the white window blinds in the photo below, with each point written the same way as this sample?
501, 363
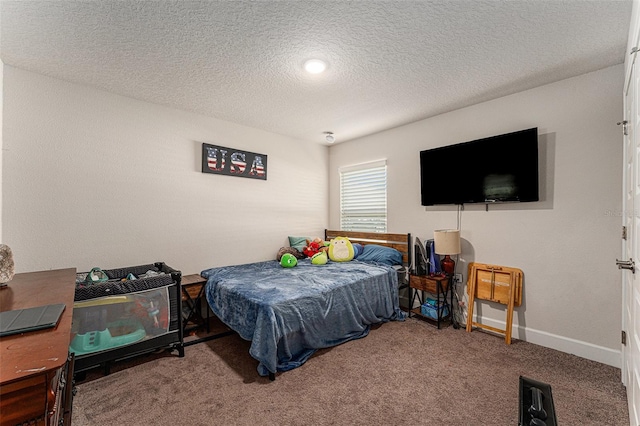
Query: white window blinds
363, 197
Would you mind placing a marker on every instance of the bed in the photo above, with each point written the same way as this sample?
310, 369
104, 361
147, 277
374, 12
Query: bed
290, 313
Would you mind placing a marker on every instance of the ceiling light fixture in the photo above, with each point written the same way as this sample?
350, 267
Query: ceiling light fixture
315, 66
329, 137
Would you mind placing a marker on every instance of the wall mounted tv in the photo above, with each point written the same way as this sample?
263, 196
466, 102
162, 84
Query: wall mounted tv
497, 169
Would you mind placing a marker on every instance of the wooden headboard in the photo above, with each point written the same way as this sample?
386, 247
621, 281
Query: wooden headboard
400, 242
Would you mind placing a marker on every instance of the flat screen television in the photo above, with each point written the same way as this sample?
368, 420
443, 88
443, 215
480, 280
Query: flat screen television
497, 169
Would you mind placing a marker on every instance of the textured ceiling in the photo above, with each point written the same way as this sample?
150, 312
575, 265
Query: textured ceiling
390, 62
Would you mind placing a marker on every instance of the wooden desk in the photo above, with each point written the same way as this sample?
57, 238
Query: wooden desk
36, 372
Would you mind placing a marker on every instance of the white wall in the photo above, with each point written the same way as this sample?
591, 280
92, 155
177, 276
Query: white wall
95, 179
1, 145
566, 244
1, 139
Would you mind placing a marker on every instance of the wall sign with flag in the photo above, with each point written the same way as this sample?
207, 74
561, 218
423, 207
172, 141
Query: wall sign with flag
233, 162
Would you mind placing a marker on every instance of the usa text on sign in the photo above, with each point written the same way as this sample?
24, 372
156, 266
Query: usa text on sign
233, 162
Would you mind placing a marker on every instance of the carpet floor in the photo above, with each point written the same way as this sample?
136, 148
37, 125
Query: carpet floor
401, 373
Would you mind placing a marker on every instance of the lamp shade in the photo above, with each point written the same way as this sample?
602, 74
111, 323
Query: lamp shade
447, 241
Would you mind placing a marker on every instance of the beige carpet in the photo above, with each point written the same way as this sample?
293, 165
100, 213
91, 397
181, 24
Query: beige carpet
402, 373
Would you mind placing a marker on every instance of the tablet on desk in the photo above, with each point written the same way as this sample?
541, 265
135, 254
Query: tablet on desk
30, 319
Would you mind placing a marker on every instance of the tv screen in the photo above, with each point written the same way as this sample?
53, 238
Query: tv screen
497, 169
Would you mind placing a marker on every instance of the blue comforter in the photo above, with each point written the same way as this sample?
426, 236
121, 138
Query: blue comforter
289, 313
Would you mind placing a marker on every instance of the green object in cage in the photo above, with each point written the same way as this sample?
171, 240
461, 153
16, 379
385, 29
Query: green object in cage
118, 333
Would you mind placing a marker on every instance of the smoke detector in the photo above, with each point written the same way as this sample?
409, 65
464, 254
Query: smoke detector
328, 136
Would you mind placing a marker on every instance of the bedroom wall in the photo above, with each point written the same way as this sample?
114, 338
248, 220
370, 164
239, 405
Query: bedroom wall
566, 244
95, 179
1, 139
1, 132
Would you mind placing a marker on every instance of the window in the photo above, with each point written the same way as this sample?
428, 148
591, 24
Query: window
363, 197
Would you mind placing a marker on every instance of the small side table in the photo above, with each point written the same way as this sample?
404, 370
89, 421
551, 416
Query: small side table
192, 292
439, 286
193, 287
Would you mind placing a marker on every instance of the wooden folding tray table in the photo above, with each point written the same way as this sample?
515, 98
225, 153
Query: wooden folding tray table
500, 284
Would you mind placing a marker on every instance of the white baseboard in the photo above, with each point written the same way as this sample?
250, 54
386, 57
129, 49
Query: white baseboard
579, 348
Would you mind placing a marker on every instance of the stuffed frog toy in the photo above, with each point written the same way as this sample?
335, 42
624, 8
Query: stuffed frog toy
288, 260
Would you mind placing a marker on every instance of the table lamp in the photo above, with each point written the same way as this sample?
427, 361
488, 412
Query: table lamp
447, 242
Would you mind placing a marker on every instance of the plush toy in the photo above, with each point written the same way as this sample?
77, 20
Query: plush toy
340, 249
314, 247
288, 260
319, 258
291, 250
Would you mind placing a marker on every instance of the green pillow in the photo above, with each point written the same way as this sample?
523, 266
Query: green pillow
298, 242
